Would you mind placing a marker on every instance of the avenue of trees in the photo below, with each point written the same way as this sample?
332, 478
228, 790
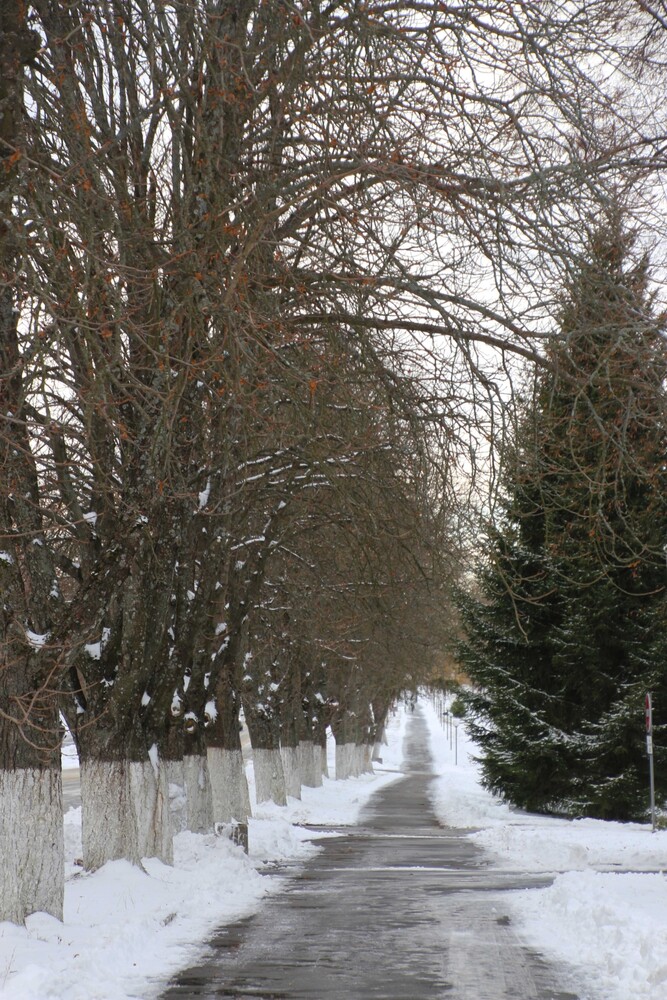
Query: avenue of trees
265, 270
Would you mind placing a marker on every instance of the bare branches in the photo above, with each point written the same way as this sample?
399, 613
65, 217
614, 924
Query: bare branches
253, 230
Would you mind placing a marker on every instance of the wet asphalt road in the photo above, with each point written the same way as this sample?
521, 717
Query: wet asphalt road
399, 909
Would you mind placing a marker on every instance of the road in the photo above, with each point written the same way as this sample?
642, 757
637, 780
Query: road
399, 909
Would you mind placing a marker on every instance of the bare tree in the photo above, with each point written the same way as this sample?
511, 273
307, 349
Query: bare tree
30, 788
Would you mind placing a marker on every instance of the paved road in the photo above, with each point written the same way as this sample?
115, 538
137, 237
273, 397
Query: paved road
401, 909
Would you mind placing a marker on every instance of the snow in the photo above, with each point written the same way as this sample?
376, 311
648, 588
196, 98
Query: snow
94, 649
128, 929
153, 756
613, 926
204, 495
68, 754
605, 912
36, 639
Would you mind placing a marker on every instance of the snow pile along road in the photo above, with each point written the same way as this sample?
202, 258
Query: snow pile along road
606, 912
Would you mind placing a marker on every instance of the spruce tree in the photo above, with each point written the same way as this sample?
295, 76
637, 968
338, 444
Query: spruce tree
568, 629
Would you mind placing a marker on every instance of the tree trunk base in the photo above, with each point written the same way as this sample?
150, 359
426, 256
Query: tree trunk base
229, 787
310, 764
32, 872
292, 771
198, 795
348, 761
125, 812
269, 776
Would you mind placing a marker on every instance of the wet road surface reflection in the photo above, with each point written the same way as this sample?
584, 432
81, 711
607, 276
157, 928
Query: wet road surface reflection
399, 909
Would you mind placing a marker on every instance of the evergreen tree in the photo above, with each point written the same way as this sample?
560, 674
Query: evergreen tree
568, 629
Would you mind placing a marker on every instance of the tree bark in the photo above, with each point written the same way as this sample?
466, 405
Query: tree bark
31, 838
268, 765
229, 785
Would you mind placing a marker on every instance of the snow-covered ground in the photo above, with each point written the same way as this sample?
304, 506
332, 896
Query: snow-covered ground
127, 930
606, 911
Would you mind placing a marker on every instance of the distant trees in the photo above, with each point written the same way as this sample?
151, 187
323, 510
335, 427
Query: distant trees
263, 269
567, 633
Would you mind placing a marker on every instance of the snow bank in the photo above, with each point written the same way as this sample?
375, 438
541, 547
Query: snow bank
613, 926
128, 929
124, 925
606, 911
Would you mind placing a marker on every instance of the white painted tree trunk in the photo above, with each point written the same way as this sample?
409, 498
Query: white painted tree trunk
198, 796
269, 776
125, 812
229, 787
106, 823
309, 763
292, 771
32, 875
149, 794
380, 741
324, 763
362, 758
366, 758
339, 765
344, 761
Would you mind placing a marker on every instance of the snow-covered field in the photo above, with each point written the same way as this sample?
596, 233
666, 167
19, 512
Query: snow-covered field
606, 911
127, 930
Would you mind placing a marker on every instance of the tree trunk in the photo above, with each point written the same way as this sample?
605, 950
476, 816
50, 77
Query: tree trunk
345, 761
380, 741
346, 729
229, 786
31, 830
198, 794
197, 784
268, 765
125, 808
309, 752
269, 776
380, 708
322, 743
290, 711
310, 763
